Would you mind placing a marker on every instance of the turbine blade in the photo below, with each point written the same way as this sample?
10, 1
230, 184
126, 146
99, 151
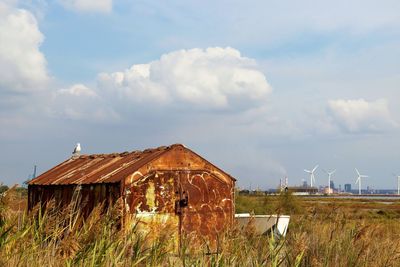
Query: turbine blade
358, 172
316, 167
307, 171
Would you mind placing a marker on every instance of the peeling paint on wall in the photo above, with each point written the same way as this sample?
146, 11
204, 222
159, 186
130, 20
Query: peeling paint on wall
198, 202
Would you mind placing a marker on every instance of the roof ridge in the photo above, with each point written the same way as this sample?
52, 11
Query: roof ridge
126, 153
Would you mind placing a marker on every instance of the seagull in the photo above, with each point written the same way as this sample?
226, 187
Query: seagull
77, 149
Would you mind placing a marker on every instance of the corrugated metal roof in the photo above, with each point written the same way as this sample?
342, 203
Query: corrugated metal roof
98, 168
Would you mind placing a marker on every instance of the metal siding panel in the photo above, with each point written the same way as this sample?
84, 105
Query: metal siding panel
152, 199
63, 195
210, 207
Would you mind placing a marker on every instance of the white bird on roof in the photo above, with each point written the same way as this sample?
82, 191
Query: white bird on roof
77, 149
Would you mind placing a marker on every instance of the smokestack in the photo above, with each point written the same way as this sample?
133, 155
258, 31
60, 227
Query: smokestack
34, 172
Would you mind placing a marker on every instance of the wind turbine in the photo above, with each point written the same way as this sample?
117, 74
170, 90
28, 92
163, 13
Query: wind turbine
312, 176
329, 179
359, 178
398, 183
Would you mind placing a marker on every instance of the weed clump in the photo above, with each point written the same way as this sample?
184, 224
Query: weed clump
287, 203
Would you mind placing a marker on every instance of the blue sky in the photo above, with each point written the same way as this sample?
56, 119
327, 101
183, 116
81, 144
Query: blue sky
263, 89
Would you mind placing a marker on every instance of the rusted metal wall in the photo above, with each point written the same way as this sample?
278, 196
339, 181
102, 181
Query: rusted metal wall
186, 191
87, 196
152, 201
209, 210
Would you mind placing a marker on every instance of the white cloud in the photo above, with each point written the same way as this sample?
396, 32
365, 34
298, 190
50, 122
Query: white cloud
77, 90
103, 6
362, 116
212, 78
22, 65
79, 102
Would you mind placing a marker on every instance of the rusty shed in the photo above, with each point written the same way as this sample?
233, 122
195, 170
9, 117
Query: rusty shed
170, 182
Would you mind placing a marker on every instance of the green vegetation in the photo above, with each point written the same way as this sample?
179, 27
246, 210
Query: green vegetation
285, 203
3, 188
322, 232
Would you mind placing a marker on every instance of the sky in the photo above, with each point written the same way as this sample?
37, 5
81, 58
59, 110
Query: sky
263, 89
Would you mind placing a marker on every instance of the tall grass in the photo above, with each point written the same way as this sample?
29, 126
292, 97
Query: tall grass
328, 236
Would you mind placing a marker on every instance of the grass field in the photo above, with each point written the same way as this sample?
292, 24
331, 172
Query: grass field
336, 232
322, 232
